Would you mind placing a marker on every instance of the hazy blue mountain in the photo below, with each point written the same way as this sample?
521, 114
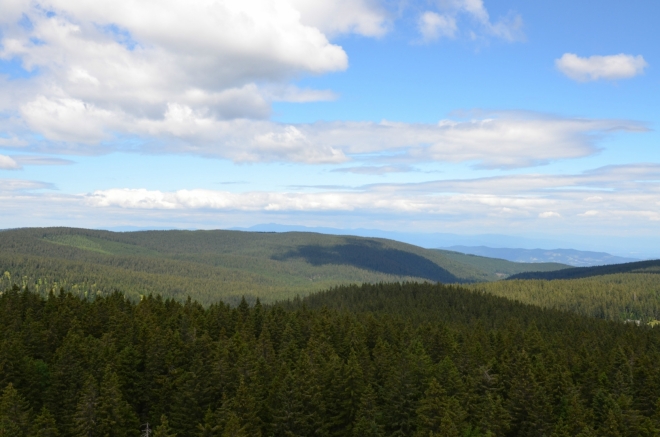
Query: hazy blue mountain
426, 240
572, 257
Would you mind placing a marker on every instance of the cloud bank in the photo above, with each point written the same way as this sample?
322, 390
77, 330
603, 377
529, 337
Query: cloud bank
606, 195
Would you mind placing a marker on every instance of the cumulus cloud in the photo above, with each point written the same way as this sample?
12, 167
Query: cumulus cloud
199, 78
8, 163
291, 93
433, 25
364, 17
612, 67
549, 214
99, 68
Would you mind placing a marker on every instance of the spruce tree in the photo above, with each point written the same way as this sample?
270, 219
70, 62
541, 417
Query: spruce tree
210, 427
85, 418
44, 425
163, 430
438, 413
367, 420
115, 416
14, 413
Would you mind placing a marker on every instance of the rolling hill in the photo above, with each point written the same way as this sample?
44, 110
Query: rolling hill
214, 265
651, 266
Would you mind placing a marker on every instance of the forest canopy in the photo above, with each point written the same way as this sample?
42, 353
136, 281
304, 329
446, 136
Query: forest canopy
413, 359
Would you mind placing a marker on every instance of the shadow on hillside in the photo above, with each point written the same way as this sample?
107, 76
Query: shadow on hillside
371, 256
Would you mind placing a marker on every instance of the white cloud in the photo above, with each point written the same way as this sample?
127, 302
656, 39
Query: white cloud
482, 205
612, 67
505, 140
8, 163
18, 185
40, 160
104, 66
433, 26
535, 197
67, 119
376, 170
364, 17
291, 93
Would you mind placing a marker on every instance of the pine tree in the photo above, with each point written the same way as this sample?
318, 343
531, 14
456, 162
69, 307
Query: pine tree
244, 406
85, 417
491, 415
163, 430
348, 386
233, 428
44, 425
210, 427
115, 416
14, 413
367, 421
438, 413
612, 425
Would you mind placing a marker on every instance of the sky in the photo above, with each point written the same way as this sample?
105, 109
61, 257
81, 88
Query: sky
531, 119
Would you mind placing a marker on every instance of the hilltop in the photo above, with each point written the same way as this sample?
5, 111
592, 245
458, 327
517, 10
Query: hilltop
214, 265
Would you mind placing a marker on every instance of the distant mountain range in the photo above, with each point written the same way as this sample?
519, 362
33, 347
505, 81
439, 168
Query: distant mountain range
572, 257
430, 240
631, 247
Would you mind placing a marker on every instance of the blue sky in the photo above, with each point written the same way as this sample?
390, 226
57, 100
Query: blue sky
533, 119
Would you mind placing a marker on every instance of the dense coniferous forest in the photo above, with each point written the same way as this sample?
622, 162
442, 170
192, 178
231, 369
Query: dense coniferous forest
373, 360
212, 265
651, 266
623, 296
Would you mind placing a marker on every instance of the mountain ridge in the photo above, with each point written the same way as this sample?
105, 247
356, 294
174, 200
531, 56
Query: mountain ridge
572, 257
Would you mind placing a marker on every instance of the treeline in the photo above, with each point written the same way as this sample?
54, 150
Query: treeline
625, 296
376, 360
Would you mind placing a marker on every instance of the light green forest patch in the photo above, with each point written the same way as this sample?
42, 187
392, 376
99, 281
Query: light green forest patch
623, 296
100, 245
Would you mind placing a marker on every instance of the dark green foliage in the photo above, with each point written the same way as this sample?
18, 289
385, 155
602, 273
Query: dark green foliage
14, 413
163, 430
45, 425
375, 360
628, 297
652, 266
372, 255
212, 265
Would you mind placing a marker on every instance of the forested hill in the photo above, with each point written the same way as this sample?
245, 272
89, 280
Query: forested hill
214, 265
652, 266
370, 361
